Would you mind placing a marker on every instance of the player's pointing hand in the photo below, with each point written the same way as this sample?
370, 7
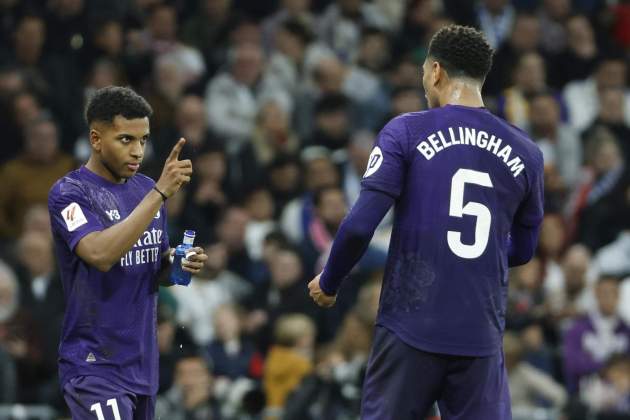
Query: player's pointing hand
320, 298
176, 172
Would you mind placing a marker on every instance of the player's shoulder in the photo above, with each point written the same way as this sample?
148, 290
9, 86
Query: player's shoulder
399, 124
522, 138
142, 182
70, 183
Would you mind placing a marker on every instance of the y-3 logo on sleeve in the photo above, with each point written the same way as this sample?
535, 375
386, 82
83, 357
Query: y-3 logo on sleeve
113, 215
374, 162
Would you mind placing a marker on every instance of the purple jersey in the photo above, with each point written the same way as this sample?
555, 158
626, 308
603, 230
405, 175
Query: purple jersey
461, 177
109, 329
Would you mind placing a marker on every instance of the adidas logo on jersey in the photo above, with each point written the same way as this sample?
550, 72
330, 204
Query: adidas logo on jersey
91, 358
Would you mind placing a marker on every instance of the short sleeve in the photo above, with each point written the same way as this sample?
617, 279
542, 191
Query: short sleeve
386, 166
71, 215
531, 210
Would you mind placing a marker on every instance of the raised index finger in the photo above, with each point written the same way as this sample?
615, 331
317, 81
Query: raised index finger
176, 150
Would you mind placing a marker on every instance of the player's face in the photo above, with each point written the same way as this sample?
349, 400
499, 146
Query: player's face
430, 73
120, 145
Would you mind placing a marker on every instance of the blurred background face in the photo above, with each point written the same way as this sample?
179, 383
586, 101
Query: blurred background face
163, 24
211, 166
408, 100
29, 37
320, 173
607, 157
191, 117
332, 207
296, 7
290, 45
192, 376
273, 119
42, 142
607, 294
260, 205
227, 323
529, 75
557, 9
285, 178
552, 235
495, 6
330, 74
216, 8
612, 105
248, 63
528, 276
286, 269
232, 229
526, 33
579, 32
217, 258
544, 114
374, 51
36, 244
611, 74
25, 109
575, 266
110, 38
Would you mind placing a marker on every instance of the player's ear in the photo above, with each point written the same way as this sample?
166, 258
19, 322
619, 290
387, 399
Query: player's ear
95, 139
436, 73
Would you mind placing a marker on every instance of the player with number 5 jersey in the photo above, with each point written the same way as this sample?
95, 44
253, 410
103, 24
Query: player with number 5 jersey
468, 194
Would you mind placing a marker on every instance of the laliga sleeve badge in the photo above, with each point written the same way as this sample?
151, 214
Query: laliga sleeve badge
73, 216
374, 162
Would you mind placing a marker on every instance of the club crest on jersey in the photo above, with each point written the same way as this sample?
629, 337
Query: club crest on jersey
73, 216
374, 162
113, 214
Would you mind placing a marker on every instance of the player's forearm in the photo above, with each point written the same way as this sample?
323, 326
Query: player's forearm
353, 238
104, 248
522, 244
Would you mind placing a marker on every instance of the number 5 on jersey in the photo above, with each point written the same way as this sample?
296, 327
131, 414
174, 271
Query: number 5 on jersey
472, 208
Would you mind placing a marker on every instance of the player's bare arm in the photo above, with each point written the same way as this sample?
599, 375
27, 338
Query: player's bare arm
105, 248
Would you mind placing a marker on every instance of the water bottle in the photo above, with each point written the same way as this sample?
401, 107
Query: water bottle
178, 275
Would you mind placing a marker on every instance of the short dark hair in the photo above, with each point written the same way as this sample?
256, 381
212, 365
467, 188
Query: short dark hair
463, 51
106, 103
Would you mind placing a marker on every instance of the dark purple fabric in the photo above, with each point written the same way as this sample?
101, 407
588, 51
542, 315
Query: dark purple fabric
85, 395
353, 237
403, 383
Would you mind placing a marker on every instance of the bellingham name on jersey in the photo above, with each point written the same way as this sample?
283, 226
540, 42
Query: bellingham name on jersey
438, 141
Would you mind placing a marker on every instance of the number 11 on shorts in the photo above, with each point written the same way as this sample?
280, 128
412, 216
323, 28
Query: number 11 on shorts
99, 411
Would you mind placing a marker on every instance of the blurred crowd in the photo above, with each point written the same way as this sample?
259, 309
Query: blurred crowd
280, 102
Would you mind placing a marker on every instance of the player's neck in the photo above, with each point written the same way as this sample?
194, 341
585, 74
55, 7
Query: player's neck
462, 92
95, 165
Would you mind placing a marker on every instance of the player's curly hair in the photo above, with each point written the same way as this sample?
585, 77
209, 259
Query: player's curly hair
463, 51
106, 103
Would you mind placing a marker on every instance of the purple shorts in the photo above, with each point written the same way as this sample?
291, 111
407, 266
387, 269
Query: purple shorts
403, 383
94, 398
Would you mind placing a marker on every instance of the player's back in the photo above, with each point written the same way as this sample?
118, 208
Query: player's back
467, 176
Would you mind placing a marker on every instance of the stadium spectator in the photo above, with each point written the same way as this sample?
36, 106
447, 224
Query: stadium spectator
28, 177
191, 397
530, 388
495, 18
595, 337
288, 361
560, 144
